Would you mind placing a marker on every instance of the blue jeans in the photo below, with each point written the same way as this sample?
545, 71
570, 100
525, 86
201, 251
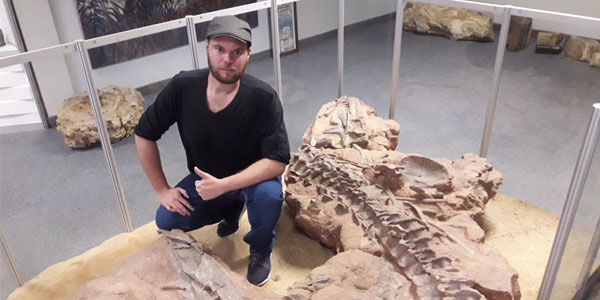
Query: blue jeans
264, 202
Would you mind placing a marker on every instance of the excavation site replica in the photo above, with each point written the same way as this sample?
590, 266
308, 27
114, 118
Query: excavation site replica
361, 220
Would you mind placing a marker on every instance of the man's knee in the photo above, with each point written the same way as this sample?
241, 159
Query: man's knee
166, 220
267, 191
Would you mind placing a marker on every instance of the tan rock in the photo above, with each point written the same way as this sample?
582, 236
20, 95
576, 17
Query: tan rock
353, 274
174, 267
418, 213
348, 122
581, 49
519, 33
550, 42
453, 23
595, 60
121, 109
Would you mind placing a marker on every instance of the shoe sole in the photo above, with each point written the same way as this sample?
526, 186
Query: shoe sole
268, 276
265, 281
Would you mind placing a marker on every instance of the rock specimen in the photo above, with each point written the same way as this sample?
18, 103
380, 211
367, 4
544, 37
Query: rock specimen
175, 267
121, 109
595, 60
348, 122
454, 23
550, 42
418, 213
519, 33
352, 274
581, 49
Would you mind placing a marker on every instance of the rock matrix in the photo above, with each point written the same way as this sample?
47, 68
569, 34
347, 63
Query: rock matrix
550, 42
453, 23
519, 33
121, 109
174, 267
418, 213
581, 49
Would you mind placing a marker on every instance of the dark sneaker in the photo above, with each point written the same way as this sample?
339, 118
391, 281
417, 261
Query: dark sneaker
259, 269
224, 229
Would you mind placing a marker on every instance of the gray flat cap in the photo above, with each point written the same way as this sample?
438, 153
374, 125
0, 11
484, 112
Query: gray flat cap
230, 26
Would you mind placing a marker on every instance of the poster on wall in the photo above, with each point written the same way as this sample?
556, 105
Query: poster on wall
103, 17
288, 28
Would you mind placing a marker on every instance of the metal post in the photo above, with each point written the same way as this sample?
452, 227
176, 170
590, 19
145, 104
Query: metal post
103, 133
489, 117
340, 47
573, 196
35, 88
276, 47
587, 263
396, 62
193, 40
10, 260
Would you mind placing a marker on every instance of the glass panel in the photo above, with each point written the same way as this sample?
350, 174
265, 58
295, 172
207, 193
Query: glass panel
7, 280
57, 202
443, 92
542, 113
148, 75
368, 53
580, 237
309, 76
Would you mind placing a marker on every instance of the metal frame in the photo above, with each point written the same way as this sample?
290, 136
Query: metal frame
10, 260
489, 117
341, 4
580, 174
396, 59
193, 41
276, 48
82, 46
103, 133
33, 84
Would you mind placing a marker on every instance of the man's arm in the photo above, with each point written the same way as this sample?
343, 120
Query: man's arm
171, 198
210, 187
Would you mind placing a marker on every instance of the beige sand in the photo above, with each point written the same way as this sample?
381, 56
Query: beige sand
522, 232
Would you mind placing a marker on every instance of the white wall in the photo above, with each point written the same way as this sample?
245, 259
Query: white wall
39, 31
5, 25
141, 71
588, 8
314, 17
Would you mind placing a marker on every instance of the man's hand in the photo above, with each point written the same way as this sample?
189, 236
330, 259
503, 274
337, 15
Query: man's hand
172, 200
209, 187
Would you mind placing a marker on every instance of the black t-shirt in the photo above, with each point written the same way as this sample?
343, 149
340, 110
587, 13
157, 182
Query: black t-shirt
250, 128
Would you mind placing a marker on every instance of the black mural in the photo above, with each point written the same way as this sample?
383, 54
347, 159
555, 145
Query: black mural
102, 17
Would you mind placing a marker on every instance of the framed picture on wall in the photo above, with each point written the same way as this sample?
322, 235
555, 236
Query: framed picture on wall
288, 28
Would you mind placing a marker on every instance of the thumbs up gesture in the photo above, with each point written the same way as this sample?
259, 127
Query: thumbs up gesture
209, 187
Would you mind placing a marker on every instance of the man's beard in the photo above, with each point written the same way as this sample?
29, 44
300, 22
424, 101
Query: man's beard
225, 80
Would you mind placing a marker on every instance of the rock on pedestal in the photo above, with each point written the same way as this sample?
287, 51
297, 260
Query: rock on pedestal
595, 60
581, 49
519, 33
550, 42
121, 109
454, 23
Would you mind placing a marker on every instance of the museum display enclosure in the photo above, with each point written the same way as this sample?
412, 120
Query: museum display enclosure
104, 218
55, 173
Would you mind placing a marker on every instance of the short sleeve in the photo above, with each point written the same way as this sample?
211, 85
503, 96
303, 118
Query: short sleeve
274, 140
161, 114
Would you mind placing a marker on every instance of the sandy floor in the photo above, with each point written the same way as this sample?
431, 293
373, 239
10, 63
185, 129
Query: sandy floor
521, 232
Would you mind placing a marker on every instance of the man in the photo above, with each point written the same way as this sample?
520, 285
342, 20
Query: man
231, 126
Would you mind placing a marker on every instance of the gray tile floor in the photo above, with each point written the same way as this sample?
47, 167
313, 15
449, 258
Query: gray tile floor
56, 203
